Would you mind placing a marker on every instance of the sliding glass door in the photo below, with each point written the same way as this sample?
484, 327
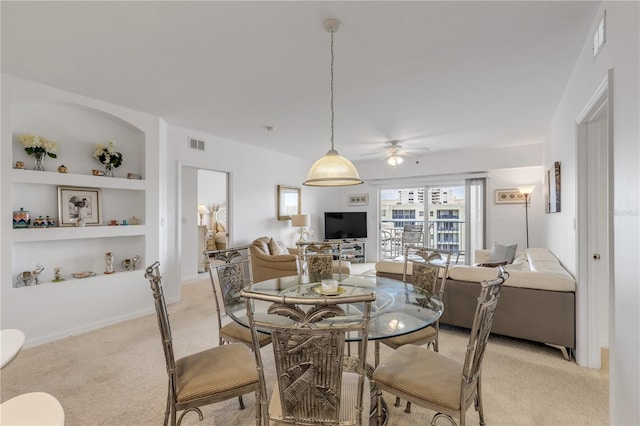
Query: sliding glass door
451, 215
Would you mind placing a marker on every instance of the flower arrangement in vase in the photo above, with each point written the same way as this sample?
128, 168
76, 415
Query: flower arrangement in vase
108, 156
39, 147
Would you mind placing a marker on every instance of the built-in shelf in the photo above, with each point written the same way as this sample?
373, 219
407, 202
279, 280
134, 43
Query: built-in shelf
71, 179
70, 281
74, 232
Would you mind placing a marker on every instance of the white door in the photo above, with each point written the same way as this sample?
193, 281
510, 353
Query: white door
595, 293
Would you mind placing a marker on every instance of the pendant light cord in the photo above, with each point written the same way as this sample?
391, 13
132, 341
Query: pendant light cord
332, 112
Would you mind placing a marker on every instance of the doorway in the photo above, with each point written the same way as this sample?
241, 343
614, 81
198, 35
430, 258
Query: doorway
204, 217
594, 324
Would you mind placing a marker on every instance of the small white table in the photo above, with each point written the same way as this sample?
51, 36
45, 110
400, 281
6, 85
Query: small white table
11, 341
34, 408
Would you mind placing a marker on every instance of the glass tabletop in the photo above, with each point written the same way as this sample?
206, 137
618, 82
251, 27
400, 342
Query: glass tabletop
399, 308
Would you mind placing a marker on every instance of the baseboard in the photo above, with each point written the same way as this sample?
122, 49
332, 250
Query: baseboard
85, 328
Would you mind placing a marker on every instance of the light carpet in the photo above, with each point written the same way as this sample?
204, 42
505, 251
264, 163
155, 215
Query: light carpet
116, 375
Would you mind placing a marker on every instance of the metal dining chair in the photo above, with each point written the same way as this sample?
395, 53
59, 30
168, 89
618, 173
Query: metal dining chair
427, 269
203, 378
311, 386
231, 277
316, 260
437, 382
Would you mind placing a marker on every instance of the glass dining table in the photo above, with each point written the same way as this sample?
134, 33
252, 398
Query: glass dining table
399, 308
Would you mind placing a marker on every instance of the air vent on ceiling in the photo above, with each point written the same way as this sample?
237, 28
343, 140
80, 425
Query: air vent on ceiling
196, 144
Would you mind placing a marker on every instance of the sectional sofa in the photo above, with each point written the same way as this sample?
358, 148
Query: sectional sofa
537, 301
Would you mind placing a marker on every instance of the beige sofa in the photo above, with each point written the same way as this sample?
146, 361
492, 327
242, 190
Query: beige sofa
266, 265
270, 259
537, 301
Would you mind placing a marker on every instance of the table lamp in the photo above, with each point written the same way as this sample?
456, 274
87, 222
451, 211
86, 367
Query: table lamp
301, 221
202, 210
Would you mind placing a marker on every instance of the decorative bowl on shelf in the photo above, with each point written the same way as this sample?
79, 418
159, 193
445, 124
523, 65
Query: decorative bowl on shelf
84, 274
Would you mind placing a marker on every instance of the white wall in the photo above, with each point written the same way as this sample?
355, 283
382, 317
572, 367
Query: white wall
621, 53
254, 174
507, 222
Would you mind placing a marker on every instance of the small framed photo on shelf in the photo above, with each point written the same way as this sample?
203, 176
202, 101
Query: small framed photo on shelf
509, 196
79, 206
359, 200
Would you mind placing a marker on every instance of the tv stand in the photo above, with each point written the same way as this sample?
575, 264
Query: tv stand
353, 250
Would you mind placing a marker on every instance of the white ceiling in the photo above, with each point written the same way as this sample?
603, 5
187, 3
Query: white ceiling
445, 75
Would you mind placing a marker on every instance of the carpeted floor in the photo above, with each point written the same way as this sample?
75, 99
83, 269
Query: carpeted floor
116, 375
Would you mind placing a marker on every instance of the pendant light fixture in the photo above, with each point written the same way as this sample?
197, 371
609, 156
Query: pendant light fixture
332, 169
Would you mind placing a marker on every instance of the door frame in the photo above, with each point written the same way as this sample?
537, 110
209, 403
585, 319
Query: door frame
588, 342
179, 214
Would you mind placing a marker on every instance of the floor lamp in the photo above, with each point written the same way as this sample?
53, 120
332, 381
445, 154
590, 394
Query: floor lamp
526, 191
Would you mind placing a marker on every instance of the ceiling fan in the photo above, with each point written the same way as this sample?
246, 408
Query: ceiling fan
394, 152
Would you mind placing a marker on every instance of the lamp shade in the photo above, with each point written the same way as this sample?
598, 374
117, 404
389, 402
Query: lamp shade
300, 220
333, 170
202, 209
526, 189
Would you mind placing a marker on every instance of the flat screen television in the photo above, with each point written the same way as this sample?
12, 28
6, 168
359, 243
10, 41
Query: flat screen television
345, 225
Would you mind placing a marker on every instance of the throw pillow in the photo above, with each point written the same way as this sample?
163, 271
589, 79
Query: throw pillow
503, 252
277, 248
220, 227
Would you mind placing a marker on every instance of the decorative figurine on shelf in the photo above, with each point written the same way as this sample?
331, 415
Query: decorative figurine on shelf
19, 165
21, 218
40, 222
39, 147
108, 156
130, 264
57, 274
62, 168
134, 221
28, 278
108, 263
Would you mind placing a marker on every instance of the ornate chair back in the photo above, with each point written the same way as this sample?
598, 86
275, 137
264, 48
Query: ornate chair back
429, 268
152, 273
231, 276
316, 260
480, 330
309, 354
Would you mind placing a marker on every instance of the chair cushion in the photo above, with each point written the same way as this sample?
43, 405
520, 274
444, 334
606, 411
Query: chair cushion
422, 373
347, 404
419, 337
214, 371
240, 333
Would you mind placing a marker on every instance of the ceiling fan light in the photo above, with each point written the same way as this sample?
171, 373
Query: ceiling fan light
395, 160
332, 170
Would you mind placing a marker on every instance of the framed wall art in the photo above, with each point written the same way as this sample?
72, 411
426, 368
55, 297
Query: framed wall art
289, 201
509, 196
552, 189
78, 206
359, 200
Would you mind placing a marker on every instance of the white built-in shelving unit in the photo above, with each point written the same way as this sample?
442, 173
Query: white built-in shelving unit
51, 309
